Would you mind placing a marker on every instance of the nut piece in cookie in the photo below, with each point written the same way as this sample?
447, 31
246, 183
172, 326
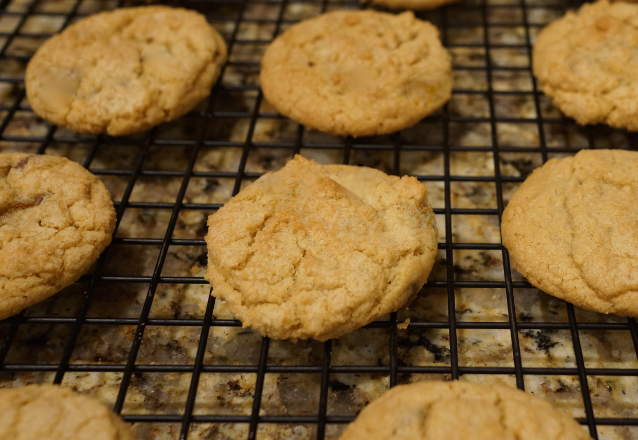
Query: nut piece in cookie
125, 71
55, 220
50, 412
571, 230
357, 73
461, 410
587, 62
313, 251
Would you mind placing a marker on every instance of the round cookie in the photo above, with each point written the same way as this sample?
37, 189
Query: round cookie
461, 410
49, 412
357, 73
313, 251
587, 62
55, 219
412, 4
571, 230
125, 71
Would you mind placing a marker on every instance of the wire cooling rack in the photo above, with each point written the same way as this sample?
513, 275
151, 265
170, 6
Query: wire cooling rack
68, 340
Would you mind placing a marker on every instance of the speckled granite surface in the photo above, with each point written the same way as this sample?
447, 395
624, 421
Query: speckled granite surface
471, 134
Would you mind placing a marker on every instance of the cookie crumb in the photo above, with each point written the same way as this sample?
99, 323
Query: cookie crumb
404, 324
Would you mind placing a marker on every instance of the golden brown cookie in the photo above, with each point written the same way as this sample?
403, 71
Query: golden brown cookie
571, 230
55, 219
125, 71
357, 73
461, 410
313, 251
49, 412
587, 62
411, 4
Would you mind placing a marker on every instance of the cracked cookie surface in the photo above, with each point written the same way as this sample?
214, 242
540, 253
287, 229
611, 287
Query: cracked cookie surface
571, 230
587, 62
313, 251
55, 220
125, 71
357, 73
50, 412
461, 410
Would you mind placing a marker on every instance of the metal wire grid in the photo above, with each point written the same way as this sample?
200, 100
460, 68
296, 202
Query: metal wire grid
199, 139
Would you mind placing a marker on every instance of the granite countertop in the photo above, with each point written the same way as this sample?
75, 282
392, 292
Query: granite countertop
298, 394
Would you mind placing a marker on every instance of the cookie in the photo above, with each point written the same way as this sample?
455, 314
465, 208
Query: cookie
411, 4
461, 410
55, 219
357, 73
587, 62
313, 251
571, 230
49, 412
125, 71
